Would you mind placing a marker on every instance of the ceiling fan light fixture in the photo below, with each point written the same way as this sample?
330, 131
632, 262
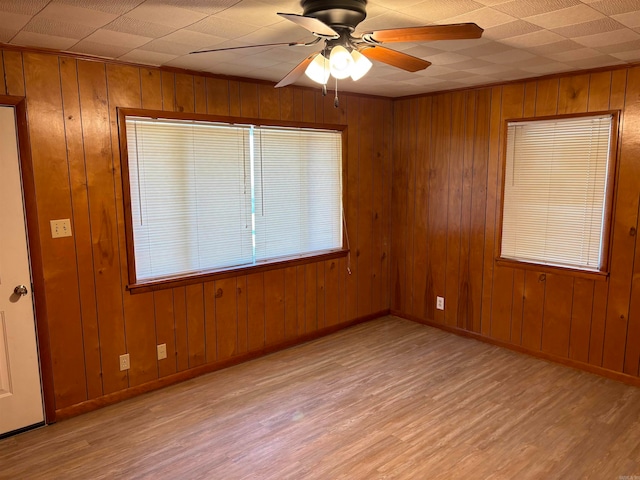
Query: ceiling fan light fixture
318, 70
340, 62
361, 65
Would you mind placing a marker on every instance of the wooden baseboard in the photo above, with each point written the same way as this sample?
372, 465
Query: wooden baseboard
587, 367
110, 399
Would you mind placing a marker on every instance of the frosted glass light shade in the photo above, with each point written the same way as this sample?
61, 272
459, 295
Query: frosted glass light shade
361, 65
340, 62
318, 70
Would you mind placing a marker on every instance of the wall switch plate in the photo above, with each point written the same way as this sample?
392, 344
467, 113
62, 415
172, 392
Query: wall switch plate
440, 303
60, 228
124, 362
162, 351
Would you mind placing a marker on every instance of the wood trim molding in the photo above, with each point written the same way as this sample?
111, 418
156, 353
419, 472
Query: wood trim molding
116, 397
35, 253
586, 367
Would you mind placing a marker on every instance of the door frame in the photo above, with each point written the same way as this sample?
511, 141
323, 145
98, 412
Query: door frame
35, 253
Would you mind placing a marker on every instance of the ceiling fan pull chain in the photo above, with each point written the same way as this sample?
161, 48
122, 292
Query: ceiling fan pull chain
336, 101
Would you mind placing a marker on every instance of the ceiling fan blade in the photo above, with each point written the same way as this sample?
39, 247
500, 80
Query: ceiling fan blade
312, 24
394, 58
288, 44
297, 72
459, 31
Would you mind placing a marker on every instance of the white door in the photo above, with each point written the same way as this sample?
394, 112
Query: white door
20, 392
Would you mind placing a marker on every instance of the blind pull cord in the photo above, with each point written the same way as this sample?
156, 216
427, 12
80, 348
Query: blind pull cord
346, 234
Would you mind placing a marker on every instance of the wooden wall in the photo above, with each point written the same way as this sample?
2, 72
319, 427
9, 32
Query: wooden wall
445, 206
92, 318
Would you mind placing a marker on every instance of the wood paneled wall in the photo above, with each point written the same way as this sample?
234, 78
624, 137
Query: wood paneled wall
92, 318
445, 209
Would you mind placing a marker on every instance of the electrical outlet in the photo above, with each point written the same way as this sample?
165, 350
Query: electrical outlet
60, 228
124, 362
162, 351
440, 303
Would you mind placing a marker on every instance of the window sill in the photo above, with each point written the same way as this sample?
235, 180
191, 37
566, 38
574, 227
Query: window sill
208, 276
557, 270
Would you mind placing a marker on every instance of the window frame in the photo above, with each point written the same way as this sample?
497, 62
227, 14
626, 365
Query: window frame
135, 286
610, 199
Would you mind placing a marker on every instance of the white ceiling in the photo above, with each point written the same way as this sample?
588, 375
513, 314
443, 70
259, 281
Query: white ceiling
522, 38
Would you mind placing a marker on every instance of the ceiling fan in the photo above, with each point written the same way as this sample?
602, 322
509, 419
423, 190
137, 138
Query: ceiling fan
346, 54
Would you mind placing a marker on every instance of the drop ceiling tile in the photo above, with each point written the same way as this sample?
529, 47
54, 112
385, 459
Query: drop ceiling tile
252, 12
100, 49
484, 17
508, 56
33, 39
457, 45
491, 69
561, 46
574, 55
608, 38
117, 7
162, 46
6, 35
208, 7
547, 68
477, 80
434, 10
631, 56
491, 3
77, 15
134, 26
595, 62
629, 19
528, 8
566, 16
13, 21
491, 48
146, 57
448, 58
166, 15
589, 28
456, 76
470, 64
541, 37
633, 45
117, 39
46, 26
221, 27
614, 7
511, 29
25, 7
273, 35
195, 40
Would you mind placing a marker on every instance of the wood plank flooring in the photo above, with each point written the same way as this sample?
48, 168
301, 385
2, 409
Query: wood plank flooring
387, 399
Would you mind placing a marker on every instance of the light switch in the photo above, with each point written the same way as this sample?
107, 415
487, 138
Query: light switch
60, 228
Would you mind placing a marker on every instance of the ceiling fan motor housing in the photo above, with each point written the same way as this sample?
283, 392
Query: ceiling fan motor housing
342, 14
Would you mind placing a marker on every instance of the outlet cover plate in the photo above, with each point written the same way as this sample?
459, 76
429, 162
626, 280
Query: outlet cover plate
440, 303
162, 351
124, 362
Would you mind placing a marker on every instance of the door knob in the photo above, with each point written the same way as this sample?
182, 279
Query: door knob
20, 290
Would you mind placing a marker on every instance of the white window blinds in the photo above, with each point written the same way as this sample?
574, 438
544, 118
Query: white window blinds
554, 191
208, 196
297, 178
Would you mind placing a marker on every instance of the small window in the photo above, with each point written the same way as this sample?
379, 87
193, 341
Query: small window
212, 196
557, 191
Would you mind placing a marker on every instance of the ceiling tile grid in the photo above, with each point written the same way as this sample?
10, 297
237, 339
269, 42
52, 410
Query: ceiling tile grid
522, 38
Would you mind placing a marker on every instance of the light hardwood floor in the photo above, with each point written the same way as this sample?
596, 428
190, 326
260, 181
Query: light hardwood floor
385, 399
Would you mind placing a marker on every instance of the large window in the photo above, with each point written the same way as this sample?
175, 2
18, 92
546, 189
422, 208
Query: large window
208, 196
557, 187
